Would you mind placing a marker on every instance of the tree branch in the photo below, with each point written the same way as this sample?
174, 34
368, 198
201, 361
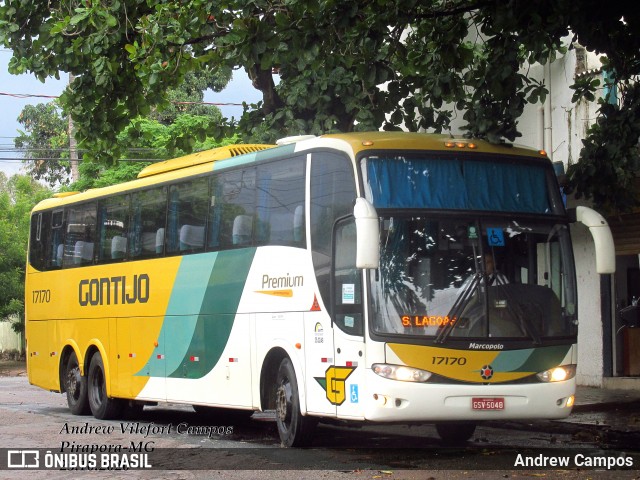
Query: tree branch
447, 12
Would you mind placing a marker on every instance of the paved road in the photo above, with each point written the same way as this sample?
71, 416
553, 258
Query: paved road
34, 418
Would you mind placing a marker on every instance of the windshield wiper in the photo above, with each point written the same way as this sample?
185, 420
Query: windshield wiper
458, 308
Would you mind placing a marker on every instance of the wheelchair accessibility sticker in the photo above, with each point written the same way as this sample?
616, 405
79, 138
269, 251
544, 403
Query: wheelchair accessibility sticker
495, 237
354, 393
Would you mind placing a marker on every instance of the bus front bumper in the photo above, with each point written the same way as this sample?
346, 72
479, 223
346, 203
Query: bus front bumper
396, 401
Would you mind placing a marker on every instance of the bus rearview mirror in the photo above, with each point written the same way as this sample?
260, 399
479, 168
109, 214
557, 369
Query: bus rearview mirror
368, 234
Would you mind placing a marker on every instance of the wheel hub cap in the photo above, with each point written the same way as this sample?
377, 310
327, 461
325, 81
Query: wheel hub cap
281, 404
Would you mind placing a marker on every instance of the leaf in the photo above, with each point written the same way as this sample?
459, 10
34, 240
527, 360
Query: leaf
79, 17
111, 21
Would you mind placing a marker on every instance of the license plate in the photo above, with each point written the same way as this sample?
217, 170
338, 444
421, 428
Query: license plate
493, 403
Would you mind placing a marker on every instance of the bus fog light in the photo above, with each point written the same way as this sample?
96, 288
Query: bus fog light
566, 401
380, 399
557, 374
400, 372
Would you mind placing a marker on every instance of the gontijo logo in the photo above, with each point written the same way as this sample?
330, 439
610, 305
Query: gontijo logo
114, 290
334, 385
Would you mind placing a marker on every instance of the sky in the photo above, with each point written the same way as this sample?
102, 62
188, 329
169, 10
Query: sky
238, 90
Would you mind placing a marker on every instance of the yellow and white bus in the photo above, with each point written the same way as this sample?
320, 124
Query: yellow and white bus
383, 277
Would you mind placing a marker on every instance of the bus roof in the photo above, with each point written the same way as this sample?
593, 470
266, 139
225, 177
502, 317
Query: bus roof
356, 142
361, 141
199, 158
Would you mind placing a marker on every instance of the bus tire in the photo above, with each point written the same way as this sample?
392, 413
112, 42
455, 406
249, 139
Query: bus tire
455, 433
295, 430
75, 385
102, 407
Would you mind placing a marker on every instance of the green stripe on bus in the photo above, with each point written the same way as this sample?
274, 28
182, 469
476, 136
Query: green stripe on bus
217, 313
531, 359
210, 286
189, 289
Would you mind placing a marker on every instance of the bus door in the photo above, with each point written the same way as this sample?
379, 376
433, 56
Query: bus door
345, 382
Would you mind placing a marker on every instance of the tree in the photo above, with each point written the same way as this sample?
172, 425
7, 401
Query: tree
45, 138
45, 141
187, 97
147, 139
342, 65
18, 195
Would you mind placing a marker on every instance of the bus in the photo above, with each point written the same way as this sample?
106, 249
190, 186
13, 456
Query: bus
366, 277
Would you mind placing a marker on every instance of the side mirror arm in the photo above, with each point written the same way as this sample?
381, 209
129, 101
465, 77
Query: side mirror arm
602, 238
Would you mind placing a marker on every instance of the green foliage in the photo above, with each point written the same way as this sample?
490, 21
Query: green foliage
159, 136
18, 195
585, 88
44, 137
341, 66
610, 157
186, 98
145, 139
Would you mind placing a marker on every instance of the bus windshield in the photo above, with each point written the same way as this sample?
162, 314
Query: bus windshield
497, 264
474, 277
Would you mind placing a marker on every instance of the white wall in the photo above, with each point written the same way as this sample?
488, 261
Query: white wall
9, 340
562, 136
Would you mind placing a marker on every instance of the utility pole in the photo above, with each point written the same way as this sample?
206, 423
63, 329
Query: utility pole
73, 147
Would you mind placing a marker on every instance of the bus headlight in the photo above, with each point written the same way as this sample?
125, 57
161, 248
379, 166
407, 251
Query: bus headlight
557, 374
400, 372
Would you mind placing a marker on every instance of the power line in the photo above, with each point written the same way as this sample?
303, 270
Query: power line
10, 149
27, 95
34, 95
45, 159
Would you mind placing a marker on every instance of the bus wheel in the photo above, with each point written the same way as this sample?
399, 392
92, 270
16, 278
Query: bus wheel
102, 407
294, 429
455, 433
76, 387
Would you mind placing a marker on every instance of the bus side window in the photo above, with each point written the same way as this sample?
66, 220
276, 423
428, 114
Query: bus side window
114, 231
280, 203
148, 222
187, 216
234, 208
40, 228
215, 212
55, 241
80, 235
